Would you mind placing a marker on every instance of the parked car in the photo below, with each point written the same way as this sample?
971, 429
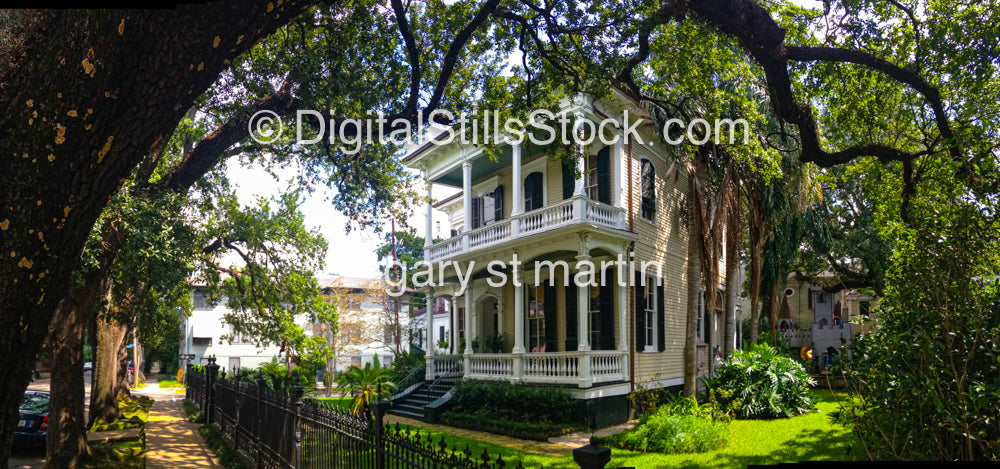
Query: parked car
88, 366
33, 419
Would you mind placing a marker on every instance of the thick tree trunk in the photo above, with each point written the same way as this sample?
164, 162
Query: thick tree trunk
732, 284
693, 291
755, 272
86, 94
109, 374
776, 293
66, 443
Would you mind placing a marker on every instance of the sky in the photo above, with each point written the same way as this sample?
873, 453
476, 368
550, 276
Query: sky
350, 254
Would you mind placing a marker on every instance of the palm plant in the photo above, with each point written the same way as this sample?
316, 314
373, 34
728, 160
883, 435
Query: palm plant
366, 385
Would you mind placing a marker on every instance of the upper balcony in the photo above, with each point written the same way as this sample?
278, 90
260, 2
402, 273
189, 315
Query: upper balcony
572, 211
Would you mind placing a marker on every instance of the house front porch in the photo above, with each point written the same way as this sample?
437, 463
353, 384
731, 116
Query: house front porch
583, 369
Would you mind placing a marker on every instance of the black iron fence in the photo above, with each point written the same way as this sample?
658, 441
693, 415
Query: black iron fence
272, 429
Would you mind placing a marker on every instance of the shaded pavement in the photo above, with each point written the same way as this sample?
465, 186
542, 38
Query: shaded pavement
172, 441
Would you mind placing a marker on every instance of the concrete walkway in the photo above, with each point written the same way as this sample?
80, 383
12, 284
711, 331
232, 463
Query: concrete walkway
578, 439
172, 441
527, 446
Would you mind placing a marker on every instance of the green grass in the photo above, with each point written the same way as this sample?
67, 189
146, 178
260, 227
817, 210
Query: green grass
812, 436
169, 383
193, 413
130, 407
125, 454
340, 402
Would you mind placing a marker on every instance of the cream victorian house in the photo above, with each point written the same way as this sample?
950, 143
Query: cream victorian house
618, 209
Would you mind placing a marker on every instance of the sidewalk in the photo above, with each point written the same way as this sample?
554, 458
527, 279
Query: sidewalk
172, 441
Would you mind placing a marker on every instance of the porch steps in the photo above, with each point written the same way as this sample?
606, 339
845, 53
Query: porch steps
412, 405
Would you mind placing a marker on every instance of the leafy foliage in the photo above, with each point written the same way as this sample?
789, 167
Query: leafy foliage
761, 382
927, 376
681, 426
367, 385
516, 402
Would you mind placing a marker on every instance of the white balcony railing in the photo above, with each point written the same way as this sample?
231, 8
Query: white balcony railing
490, 366
582, 369
444, 365
575, 210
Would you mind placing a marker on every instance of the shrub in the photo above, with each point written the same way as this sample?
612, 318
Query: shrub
647, 400
403, 366
927, 376
485, 421
761, 382
683, 427
517, 402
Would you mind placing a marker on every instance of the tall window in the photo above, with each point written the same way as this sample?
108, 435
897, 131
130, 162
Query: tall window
648, 180
199, 301
598, 177
487, 208
590, 177
594, 314
441, 333
534, 189
461, 323
651, 302
536, 318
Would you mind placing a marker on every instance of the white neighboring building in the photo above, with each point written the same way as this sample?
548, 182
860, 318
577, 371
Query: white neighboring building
365, 314
202, 337
441, 327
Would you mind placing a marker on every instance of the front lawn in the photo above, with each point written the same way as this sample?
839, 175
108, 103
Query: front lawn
811, 436
339, 402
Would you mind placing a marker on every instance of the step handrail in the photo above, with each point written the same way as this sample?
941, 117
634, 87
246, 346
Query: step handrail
404, 391
445, 374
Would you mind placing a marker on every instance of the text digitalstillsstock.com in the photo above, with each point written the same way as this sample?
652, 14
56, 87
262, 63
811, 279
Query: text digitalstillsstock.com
541, 128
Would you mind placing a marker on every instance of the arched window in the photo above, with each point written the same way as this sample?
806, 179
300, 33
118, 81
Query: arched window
647, 176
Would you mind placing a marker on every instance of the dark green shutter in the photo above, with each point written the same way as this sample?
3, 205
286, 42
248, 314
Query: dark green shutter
477, 213
640, 314
604, 176
607, 315
572, 326
568, 180
662, 312
550, 317
498, 203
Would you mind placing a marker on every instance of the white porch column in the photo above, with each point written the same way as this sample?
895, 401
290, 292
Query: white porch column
453, 340
467, 353
586, 380
429, 334
517, 199
518, 314
429, 237
619, 179
581, 156
468, 321
467, 199
583, 307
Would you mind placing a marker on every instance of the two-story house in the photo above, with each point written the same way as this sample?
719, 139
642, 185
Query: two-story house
616, 211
